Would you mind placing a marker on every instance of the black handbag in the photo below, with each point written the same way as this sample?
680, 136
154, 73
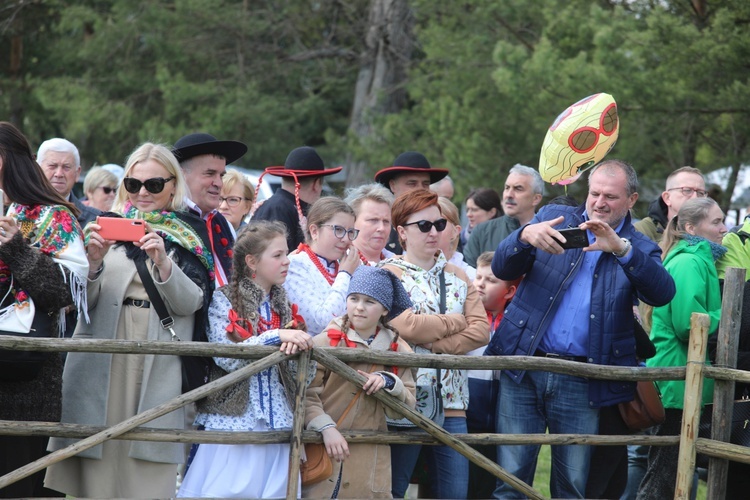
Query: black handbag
19, 366
195, 369
740, 426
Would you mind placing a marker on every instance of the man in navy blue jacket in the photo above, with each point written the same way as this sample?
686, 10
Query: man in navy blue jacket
574, 304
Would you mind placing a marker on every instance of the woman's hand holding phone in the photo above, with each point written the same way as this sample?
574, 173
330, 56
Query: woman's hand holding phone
96, 248
153, 245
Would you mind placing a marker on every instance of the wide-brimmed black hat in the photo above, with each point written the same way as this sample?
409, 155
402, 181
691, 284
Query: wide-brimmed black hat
205, 144
411, 161
303, 162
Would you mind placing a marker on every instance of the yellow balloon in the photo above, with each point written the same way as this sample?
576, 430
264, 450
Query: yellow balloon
580, 137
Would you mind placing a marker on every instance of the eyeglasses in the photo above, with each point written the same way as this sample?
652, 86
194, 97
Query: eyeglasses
339, 231
155, 185
232, 201
700, 193
426, 226
109, 190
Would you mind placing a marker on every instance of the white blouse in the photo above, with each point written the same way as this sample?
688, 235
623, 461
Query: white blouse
267, 397
318, 301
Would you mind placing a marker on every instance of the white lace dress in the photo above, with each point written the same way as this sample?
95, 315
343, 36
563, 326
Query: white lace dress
244, 470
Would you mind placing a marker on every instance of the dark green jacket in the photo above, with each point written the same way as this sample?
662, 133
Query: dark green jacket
487, 236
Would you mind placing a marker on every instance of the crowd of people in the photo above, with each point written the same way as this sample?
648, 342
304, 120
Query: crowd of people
389, 267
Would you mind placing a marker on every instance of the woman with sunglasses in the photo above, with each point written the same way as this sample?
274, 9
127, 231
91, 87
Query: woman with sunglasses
320, 269
461, 328
100, 186
237, 196
104, 389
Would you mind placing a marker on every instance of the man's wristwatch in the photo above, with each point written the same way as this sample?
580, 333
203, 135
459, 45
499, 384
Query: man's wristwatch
625, 250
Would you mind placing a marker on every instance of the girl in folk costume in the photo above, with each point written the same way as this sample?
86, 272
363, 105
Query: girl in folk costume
250, 310
320, 270
361, 470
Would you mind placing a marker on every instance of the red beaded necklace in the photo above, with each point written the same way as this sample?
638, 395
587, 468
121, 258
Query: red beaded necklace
330, 278
364, 259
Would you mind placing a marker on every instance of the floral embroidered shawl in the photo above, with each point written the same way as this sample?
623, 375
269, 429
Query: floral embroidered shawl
55, 232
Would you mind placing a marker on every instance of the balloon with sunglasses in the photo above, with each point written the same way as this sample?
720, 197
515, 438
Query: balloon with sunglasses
579, 138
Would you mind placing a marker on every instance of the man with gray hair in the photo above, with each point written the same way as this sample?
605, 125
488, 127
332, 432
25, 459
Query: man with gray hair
372, 209
523, 192
61, 164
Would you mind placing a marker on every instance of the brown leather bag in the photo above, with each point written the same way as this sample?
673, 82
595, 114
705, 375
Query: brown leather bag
645, 410
318, 465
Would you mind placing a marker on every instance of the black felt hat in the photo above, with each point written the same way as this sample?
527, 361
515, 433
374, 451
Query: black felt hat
205, 144
303, 162
411, 161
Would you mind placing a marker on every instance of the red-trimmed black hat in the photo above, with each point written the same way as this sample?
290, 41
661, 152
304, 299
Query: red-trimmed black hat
411, 161
199, 143
303, 162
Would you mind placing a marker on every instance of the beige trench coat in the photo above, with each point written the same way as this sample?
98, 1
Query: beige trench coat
367, 471
86, 376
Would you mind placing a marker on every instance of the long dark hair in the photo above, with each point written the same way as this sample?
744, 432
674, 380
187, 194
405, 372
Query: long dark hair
21, 176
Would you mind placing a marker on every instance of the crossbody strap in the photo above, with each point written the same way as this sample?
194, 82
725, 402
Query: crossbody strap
443, 308
153, 294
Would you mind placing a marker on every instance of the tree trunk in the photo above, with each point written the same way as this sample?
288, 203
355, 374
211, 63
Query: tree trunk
389, 43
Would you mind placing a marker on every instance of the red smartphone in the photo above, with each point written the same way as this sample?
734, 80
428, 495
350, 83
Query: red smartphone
119, 229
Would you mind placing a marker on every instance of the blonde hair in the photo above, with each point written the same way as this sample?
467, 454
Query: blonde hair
164, 157
693, 212
450, 212
98, 177
232, 178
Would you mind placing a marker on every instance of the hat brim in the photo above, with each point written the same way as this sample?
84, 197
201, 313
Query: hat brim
231, 150
287, 172
384, 176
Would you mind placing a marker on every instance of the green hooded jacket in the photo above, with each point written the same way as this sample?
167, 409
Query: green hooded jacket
697, 285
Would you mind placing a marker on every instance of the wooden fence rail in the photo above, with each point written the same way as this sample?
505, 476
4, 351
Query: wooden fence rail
336, 358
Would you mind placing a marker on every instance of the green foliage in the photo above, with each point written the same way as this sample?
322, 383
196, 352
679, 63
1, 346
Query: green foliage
487, 80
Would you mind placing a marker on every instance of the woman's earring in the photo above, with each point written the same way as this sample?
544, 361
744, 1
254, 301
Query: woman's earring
253, 275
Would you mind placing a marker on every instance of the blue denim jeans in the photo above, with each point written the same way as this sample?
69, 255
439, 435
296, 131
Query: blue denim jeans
637, 463
544, 401
449, 468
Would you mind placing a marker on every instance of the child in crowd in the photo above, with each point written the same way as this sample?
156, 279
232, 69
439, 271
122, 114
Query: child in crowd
374, 297
250, 310
483, 385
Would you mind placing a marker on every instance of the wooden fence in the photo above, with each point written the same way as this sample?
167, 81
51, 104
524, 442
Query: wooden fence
335, 359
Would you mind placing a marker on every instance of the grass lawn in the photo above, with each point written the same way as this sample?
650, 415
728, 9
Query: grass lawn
541, 479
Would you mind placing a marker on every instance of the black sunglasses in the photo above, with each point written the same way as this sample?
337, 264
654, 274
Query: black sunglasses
109, 190
425, 226
154, 185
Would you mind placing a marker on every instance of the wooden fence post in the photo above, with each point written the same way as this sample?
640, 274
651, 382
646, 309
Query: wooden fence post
140, 419
726, 356
299, 424
691, 411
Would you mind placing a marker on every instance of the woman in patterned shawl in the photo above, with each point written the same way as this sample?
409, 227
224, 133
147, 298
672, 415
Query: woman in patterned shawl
42, 271
105, 389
